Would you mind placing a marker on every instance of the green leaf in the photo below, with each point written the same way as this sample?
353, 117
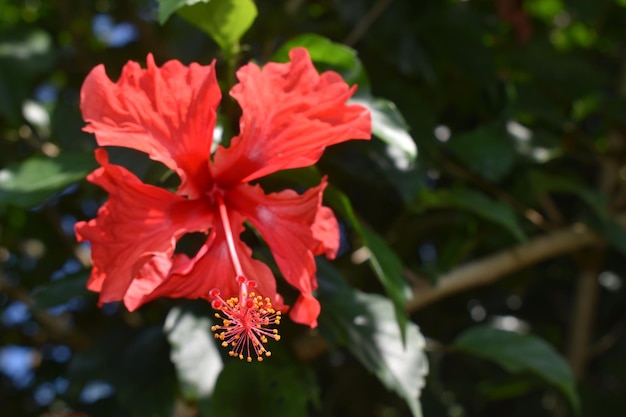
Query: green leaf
61, 291
194, 352
389, 269
366, 325
542, 182
264, 389
600, 221
488, 151
225, 21
169, 7
610, 229
390, 127
384, 261
339, 57
519, 353
473, 201
37, 178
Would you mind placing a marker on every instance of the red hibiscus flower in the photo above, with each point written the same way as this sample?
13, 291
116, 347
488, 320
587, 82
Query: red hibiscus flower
290, 114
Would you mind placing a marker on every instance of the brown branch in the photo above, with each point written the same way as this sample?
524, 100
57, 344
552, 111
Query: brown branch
584, 311
587, 293
357, 33
494, 267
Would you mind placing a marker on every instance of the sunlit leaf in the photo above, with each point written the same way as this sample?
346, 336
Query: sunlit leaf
38, 178
519, 353
389, 126
366, 325
194, 352
225, 21
339, 57
169, 7
472, 201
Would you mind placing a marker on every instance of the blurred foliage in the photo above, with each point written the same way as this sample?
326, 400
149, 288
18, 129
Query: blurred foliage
499, 125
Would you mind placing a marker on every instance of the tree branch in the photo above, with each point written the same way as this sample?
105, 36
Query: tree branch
494, 267
359, 31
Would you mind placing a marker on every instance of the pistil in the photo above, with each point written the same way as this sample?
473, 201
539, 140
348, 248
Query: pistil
239, 276
246, 319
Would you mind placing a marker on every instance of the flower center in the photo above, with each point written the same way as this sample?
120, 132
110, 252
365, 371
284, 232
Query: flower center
245, 324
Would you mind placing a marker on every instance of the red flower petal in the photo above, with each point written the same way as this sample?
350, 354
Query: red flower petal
306, 310
285, 220
167, 112
290, 115
326, 231
211, 268
137, 223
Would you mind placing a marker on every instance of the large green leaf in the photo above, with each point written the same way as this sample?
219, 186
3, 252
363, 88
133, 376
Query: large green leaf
37, 178
61, 290
194, 353
488, 151
265, 389
366, 325
473, 201
225, 21
519, 353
